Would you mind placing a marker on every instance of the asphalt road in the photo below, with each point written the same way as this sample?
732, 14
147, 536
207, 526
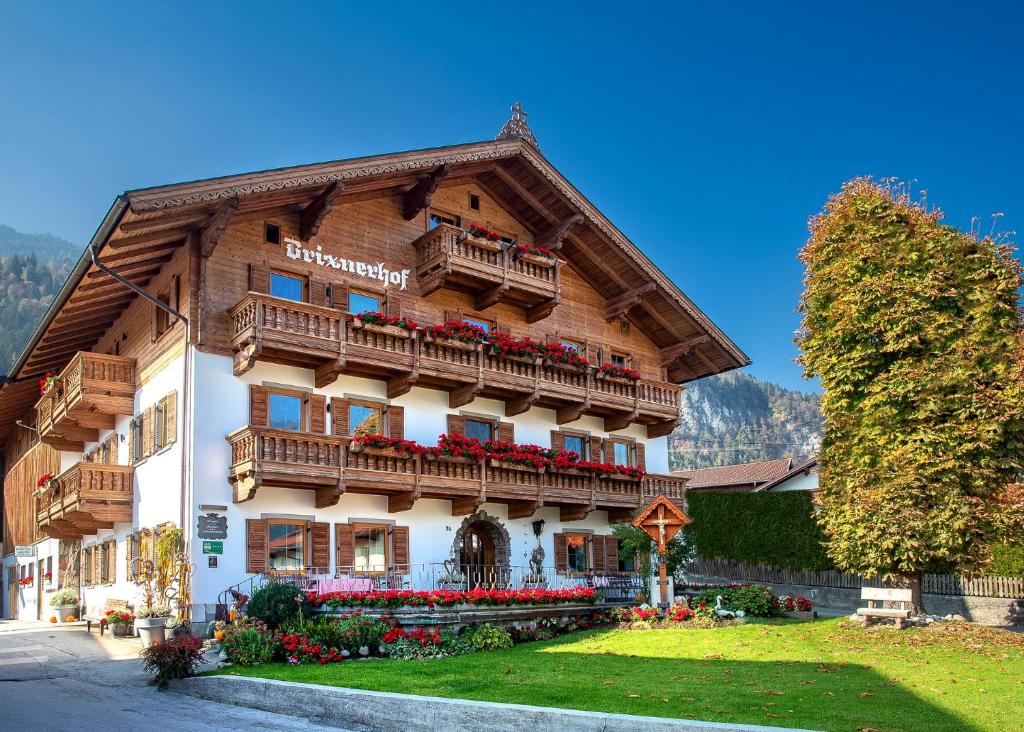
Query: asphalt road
59, 678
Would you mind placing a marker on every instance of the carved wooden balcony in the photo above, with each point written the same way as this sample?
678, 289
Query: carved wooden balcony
331, 466
318, 337
85, 398
264, 456
448, 257
84, 499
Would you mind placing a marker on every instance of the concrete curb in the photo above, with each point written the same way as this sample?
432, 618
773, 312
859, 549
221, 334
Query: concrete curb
380, 711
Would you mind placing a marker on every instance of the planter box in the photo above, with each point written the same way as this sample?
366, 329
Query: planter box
616, 379
391, 330
530, 360
450, 343
515, 466
382, 451
491, 246
448, 459
539, 260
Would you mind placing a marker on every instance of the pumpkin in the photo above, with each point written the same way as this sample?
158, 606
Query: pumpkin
218, 635
70, 619
53, 618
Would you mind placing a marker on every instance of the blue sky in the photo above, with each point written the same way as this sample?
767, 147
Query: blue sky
708, 135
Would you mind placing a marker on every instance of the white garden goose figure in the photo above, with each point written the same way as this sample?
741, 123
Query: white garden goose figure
723, 613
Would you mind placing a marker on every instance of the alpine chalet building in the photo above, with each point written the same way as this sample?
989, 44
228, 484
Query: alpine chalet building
265, 360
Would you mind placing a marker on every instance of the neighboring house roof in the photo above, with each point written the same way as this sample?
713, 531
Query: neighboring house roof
801, 469
743, 475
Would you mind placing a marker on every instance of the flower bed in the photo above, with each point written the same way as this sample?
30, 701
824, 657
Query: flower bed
446, 598
645, 616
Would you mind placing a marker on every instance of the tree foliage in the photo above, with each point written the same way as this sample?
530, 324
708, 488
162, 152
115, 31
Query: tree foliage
913, 328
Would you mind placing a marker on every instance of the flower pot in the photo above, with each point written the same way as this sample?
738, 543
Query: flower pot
119, 630
151, 630
66, 611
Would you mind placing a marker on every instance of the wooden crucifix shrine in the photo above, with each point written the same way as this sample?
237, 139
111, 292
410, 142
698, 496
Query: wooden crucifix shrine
661, 520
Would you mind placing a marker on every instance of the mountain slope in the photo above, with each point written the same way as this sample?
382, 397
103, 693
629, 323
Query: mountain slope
32, 269
735, 418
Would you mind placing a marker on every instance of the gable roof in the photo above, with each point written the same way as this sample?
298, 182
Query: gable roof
742, 474
804, 467
144, 227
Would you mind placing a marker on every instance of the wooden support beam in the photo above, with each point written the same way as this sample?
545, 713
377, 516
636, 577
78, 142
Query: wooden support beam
327, 496
245, 487
465, 506
620, 421
680, 372
325, 374
618, 306
508, 179
674, 353
114, 259
522, 509
463, 395
574, 513
705, 360
491, 297
621, 516
401, 501
521, 404
213, 230
542, 310
313, 215
571, 412
418, 197
193, 217
401, 385
156, 237
125, 269
597, 260
660, 429
552, 236
140, 278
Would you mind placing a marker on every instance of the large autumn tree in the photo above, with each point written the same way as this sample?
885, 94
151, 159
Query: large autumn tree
914, 330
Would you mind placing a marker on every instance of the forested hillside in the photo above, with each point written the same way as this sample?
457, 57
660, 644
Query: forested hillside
32, 269
734, 418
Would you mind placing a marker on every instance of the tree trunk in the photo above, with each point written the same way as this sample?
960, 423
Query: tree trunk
915, 582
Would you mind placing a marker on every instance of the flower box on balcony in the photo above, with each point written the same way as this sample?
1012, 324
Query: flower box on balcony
539, 260
515, 466
355, 447
615, 379
450, 342
529, 360
480, 243
432, 458
393, 330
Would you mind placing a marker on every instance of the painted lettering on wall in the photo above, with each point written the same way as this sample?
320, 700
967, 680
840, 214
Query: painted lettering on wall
379, 271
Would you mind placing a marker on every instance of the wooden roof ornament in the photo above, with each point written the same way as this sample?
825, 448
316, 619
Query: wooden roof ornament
516, 127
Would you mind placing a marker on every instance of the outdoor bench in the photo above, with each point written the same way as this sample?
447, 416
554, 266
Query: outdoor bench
898, 599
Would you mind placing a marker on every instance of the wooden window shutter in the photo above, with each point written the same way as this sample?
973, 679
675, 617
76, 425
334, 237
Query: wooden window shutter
339, 296
400, 549
611, 553
339, 416
129, 546
595, 449
456, 424
393, 305
506, 431
608, 451
255, 546
97, 564
320, 540
318, 293
344, 547
597, 545
259, 277
557, 440
640, 455
111, 561
148, 432
132, 426
396, 421
317, 415
501, 327
561, 552
171, 418
259, 406
112, 441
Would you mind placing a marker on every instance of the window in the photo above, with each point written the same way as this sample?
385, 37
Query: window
288, 286
621, 453
474, 201
161, 318
272, 233
577, 444
577, 548
371, 541
287, 410
365, 419
487, 325
479, 429
436, 218
571, 345
361, 302
621, 360
135, 440
286, 546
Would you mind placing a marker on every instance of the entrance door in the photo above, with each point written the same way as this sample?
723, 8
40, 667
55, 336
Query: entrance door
477, 554
12, 592
39, 588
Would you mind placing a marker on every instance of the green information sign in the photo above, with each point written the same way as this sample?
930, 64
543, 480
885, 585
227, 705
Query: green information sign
213, 547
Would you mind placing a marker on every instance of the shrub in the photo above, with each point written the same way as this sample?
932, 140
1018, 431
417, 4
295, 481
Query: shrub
756, 600
276, 602
1007, 561
248, 645
488, 638
174, 658
67, 596
348, 632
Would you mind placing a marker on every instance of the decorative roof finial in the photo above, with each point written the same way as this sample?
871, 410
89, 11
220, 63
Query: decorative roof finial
516, 127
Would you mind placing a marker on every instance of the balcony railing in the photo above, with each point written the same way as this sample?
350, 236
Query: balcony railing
448, 257
85, 398
331, 465
85, 498
294, 333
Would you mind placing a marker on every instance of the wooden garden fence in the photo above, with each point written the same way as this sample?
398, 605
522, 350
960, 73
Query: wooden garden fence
937, 584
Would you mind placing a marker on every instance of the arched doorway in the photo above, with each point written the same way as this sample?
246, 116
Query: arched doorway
477, 550
482, 549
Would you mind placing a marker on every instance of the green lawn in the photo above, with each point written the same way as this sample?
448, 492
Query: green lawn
817, 675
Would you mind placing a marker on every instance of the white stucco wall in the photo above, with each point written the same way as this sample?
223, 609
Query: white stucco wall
27, 598
801, 482
222, 406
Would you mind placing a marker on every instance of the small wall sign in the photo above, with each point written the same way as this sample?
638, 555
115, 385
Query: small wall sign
213, 547
212, 526
25, 551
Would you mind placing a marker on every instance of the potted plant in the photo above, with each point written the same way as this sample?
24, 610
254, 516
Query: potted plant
65, 602
539, 256
118, 621
483, 238
388, 324
151, 622
618, 374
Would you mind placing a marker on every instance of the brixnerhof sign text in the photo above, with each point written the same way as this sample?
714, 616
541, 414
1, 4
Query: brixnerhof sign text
379, 271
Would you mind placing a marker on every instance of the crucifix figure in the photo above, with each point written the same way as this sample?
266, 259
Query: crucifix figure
661, 520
